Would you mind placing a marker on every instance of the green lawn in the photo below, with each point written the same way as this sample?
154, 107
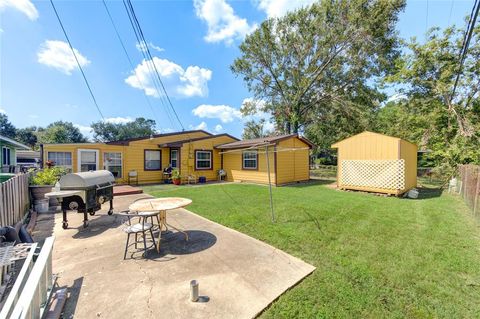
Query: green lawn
375, 256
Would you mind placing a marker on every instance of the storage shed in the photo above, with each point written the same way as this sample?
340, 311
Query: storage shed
378, 163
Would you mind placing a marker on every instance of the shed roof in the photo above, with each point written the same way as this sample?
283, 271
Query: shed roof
14, 143
263, 141
337, 144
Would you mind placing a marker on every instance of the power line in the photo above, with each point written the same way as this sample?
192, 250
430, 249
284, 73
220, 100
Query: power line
450, 14
426, 21
148, 62
466, 43
129, 59
76, 59
151, 59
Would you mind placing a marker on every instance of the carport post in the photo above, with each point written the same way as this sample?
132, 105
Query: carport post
270, 184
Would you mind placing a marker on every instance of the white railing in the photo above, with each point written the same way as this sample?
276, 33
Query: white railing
37, 290
19, 284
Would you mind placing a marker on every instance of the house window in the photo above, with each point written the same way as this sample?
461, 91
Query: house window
153, 160
203, 160
113, 163
5, 156
250, 160
174, 158
87, 160
63, 159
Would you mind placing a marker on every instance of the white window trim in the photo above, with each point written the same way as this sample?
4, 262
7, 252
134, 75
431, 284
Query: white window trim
65, 166
9, 156
176, 159
106, 163
250, 159
203, 160
79, 159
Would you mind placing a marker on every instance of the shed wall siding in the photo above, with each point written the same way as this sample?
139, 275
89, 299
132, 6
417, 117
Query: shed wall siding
409, 154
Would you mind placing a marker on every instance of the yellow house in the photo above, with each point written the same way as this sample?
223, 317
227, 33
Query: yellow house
376, 163
194, 153
288, 159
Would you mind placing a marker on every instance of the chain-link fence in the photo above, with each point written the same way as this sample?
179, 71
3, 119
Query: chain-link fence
468, 186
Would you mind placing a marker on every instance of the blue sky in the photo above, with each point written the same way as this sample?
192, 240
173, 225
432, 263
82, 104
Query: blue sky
193, 44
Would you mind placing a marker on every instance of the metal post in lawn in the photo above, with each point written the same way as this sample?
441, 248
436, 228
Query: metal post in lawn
269, 184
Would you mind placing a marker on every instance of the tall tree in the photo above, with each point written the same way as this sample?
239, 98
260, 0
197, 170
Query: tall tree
27, 136
318, 63
447, 125
61, 132
6, 128
107, 132
254, 129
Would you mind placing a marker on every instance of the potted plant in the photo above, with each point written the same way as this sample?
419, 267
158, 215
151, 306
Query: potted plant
41, 182
176, 177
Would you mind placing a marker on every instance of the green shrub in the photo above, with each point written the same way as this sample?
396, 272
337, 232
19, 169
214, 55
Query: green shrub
176, 174
47, 176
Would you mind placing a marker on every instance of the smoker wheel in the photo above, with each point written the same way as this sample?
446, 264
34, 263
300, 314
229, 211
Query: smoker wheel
92, 213
110, 212
65, 225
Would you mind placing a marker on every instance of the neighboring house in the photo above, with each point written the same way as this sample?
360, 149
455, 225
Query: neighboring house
8, 158
28, 159
246, 161
196, 153
376, 162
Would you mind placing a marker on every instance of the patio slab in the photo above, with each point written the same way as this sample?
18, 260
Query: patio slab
239, 275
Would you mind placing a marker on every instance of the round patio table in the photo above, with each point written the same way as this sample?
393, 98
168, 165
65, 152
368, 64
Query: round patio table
160, 206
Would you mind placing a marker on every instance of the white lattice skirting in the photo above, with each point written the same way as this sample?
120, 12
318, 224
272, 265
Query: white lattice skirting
384, 174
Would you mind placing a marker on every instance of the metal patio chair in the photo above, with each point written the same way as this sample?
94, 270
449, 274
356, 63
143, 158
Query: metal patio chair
142, 227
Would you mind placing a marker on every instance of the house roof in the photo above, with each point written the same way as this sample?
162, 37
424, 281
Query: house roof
127, 141
263, 141
337, 144
16, 144
180, 143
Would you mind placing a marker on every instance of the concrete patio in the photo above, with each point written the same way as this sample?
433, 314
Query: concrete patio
239, 275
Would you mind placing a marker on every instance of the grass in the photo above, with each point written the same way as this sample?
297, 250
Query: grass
376, 257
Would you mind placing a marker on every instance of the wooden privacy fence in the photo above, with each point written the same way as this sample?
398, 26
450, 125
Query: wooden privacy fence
14, 199
469, 187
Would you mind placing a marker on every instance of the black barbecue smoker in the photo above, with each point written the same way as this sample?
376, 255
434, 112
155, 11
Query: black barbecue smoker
86, 192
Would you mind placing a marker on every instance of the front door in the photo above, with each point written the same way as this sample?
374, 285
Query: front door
87, 160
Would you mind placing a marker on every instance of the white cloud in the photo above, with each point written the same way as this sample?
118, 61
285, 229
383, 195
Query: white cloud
24, 6
278, 8
142, 47
218, 128
85, 130
224, 113
119, 120
57, 54
201, 126
223, 24
178, 81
